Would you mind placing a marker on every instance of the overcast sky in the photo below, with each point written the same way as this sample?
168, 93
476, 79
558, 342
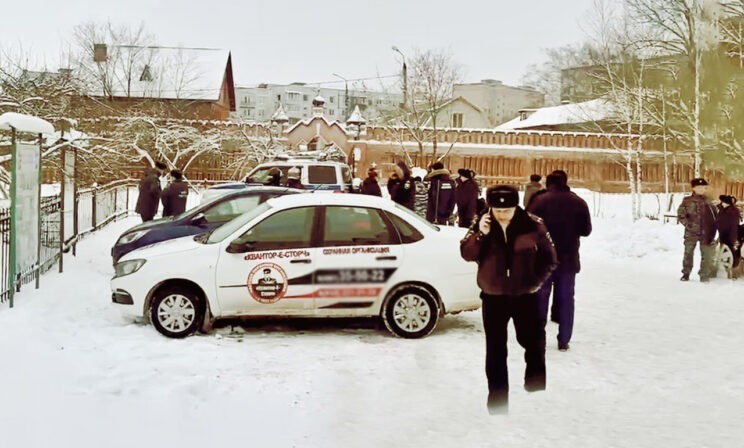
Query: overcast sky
290, 40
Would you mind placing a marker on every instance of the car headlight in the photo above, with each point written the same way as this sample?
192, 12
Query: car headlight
129, 237
127, 267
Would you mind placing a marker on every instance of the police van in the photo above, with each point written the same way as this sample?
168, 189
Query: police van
318, 171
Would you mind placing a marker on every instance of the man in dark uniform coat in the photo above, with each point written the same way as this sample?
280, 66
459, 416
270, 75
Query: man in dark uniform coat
698, 215
441, 196
466, 197
174, 196
567, 218
401, 186
149, 192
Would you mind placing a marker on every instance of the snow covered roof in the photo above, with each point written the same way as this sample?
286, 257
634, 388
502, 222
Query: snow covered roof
574, 113
356, 116
170, 73
309, 122
280, 115
25, 123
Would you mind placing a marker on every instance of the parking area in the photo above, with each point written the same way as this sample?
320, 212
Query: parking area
644, 365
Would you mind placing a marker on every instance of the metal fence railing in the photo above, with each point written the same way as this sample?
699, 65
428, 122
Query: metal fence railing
94, 208
5, 255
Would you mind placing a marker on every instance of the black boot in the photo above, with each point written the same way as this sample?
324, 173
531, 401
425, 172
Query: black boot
498, 402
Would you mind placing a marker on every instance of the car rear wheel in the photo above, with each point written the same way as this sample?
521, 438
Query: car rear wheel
411, 312
177, 312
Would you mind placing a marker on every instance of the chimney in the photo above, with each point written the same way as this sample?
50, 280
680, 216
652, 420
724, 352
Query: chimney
100, 53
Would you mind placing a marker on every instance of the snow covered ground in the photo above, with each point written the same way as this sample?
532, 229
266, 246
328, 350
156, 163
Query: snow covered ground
654, 363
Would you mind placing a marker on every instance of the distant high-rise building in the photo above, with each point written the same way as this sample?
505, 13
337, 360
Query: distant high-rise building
497, 101
259, 103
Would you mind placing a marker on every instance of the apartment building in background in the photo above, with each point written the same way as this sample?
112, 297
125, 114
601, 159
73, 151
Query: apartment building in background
497, 101
259, 103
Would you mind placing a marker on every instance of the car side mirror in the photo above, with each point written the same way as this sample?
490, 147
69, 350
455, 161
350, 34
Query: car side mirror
199, 220
236, 247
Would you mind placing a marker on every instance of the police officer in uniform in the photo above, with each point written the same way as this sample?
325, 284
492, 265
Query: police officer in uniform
698, 215
515, 256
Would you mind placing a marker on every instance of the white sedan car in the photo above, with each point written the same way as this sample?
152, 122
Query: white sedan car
303, 255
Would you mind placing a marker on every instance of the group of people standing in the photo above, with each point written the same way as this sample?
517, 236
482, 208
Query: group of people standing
152, 194
437, 202
702, 219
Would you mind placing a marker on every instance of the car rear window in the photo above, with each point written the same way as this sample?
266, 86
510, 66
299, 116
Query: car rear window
321, 174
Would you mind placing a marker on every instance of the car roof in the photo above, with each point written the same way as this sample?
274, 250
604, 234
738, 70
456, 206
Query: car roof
295, 162
345, 199
227, 186
251, 189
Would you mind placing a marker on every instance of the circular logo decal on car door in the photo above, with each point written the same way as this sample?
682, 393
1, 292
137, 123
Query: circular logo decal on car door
267, 283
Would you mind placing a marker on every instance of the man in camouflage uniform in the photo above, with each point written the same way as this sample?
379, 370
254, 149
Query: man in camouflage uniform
698, 216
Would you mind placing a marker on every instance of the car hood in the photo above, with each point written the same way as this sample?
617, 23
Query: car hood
160, 222
165, 248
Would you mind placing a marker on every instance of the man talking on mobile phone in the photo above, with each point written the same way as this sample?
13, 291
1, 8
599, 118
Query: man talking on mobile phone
515, 256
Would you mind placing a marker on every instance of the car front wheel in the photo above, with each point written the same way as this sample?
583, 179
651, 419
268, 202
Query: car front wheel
412, 312
176, 312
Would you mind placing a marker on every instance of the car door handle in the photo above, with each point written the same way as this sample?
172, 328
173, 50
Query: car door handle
388, 257
301, 260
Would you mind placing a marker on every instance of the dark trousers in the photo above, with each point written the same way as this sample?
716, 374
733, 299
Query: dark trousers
465, 221
497, 310
562, 285
147, 216
707, 253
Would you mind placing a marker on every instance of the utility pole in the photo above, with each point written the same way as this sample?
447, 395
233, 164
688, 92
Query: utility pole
405, 77
346, 95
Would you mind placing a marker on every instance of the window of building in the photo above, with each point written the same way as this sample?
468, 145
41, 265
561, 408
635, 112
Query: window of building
331, 112
331, 99
457, 120
304, 97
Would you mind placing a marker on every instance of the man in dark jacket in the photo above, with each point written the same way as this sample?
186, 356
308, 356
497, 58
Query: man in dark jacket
727, 224
370, 185
440, 202
531, 188
401, 186
698, 215
149, 192
174, 196
567, 218
515, 256
466, 197
275, 177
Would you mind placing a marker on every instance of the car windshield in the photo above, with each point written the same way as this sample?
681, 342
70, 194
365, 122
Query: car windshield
411, 214
261, 175
220, 233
